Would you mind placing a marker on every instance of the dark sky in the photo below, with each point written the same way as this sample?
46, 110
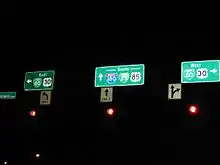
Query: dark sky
75, 128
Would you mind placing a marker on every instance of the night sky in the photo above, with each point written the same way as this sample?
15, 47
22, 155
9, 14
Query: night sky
147, 128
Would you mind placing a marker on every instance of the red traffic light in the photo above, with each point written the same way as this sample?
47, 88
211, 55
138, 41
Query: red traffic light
33, 113
110, 111
193, 109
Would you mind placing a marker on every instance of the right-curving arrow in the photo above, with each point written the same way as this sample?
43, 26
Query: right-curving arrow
174, 91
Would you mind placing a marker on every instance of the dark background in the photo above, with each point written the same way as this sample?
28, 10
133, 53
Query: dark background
147, 127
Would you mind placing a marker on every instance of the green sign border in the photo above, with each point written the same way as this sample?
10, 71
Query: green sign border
44, 89
122, 85
186, 82
9, 98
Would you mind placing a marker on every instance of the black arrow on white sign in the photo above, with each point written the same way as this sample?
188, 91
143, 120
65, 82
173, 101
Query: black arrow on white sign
174, 91
106, 92
45, 94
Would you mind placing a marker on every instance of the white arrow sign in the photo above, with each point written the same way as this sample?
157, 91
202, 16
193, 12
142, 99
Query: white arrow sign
29, 81
213, 71
106, 95
45, 97
174, 91
100, 77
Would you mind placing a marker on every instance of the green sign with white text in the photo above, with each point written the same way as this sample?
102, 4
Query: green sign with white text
40, 80
7, 95
122, 75
200, 71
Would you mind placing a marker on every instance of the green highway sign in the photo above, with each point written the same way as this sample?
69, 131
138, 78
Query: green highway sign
40, 80
7, 95
122, 75
200, 71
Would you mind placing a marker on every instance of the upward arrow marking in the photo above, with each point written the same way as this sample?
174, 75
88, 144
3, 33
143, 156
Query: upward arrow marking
100, 77
106, 92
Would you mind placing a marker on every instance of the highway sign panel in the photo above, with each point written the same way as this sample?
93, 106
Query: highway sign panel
106, 95
122, 75
174, 91
45, 97
40, 80
200, 71
7, 95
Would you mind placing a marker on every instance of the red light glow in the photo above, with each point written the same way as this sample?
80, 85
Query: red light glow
33, 113
110, 111
193, 110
